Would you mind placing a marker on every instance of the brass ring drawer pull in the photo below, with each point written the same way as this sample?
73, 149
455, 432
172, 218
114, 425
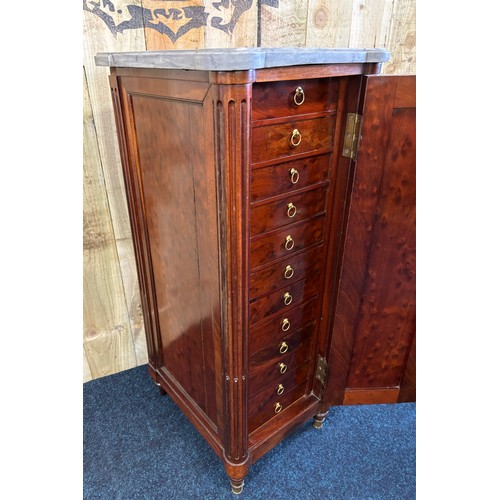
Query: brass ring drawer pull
282, 367
296, 138
280, 390
294, 175
277, 408
283, 347
287, 298
292, 210
289, 243
285, 325
299, 97
288, 272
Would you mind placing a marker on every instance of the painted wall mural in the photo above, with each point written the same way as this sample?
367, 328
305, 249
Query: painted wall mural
173, 18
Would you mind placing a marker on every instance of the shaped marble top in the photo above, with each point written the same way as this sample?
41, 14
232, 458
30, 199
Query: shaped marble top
238, 59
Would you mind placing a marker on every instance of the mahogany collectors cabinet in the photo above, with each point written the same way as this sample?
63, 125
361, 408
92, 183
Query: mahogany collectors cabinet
275, 248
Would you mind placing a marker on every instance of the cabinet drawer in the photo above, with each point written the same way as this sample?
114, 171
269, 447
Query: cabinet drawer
275, 141
287, 177
268, 367
285, 272
285, 242
275, 99
287, 210
272, 332
279, 347
285, 298
279, 389
266, 407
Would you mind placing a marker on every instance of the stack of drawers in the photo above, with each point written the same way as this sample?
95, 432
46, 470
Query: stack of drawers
292, 139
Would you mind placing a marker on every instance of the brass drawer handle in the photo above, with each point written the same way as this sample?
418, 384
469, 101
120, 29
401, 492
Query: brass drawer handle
282, 367
285, 325
280, 390
289, 243
299, 97
288, 272
283, 347
277, 408
292, 210
294, 175
287, 298
296, 138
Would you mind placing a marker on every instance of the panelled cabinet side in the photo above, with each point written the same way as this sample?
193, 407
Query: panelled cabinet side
167, 191
128, 153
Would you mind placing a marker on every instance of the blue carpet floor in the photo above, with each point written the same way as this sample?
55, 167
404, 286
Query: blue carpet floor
139, 445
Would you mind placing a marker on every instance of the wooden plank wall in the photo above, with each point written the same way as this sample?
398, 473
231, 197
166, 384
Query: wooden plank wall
113, 337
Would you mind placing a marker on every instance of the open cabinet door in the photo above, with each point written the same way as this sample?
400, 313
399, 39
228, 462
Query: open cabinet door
372, 348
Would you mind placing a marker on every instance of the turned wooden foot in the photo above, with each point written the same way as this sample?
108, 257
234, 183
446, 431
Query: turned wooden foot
237, 485
236, 474
319, 419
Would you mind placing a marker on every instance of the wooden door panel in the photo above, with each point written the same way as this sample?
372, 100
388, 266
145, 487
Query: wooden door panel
375, 313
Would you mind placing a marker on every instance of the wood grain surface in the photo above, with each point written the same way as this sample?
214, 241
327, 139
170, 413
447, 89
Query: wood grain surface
283, 24
263, 409
375, 315
271, 142
287, 210
271, 181
272, 331
272, 245
285, 272
276, 302
275, 99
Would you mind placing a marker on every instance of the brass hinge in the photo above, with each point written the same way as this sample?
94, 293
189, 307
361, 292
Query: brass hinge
351, 136
322, 370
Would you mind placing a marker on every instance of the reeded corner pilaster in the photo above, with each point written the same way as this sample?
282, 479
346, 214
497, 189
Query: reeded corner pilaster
232, 106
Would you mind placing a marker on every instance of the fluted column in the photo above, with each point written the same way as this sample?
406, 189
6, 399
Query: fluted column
232, 106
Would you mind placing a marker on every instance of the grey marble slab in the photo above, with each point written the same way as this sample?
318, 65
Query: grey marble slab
238, 59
